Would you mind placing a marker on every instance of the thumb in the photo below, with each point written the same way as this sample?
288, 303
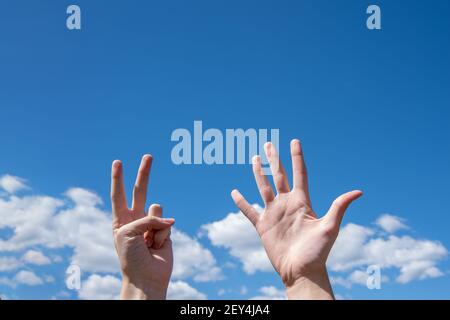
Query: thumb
140, 226
340, 205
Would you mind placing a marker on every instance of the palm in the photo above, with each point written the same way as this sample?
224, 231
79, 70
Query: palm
289, 227
296, 241
137, 252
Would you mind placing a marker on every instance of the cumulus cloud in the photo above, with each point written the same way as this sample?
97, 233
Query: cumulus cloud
107, 287
238, 235
180, 290
419, 269
414, 259
356, 247
346, 250
7, 282
358, 277
12, 184
98, 287
77, 221
270, 293
192, 260
28, 278
9, 263
341, 281
390, 223
243, 290
35, 257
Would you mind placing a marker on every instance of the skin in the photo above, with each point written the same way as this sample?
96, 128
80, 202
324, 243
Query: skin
297, 242
142, 239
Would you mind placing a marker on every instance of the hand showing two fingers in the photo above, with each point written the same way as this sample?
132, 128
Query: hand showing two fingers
142, 240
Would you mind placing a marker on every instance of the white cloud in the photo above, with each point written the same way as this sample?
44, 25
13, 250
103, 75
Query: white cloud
84, 198
7, 282
12, 184
356, 247
35, 257
78, 222
98, 287
390, 223
9, 263
414, 259
107, 287
243, 290
421, 269
180, 290
356, 277
31, 220
341, 281
28, 278
192, 260
238, 235
270, 293
346, 252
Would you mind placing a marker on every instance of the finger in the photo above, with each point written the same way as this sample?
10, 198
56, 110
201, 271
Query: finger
155, 210
141, 184
167, 245
245, 207
160, 237
148, 223
118, 198
299, 170
340, 205
264, 187
277, 169
148, 236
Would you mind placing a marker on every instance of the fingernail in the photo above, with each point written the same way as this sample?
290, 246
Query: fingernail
256, 160
146, 156
116, 163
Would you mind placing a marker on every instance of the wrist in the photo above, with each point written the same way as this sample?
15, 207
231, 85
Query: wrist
314, 285
141, 290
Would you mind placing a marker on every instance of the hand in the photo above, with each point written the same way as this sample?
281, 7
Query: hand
142, 240
296, 241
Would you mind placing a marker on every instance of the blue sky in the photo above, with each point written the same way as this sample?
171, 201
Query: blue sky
371, 108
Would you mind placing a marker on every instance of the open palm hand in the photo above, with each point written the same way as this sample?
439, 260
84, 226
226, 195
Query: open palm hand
297, 242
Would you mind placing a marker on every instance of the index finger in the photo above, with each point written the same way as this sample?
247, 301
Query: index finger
118, 198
